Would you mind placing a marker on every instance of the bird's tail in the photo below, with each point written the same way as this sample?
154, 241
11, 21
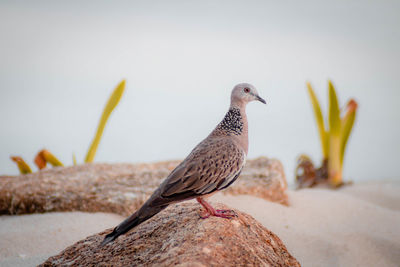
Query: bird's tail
143, 214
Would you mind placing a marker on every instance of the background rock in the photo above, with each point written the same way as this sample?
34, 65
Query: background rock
264, 178
119, 188
178, 237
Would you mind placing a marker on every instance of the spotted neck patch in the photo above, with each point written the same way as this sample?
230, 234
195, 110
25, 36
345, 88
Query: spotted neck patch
232, 122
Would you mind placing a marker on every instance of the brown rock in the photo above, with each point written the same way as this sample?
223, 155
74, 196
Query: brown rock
119, 188
178, 237
264, 178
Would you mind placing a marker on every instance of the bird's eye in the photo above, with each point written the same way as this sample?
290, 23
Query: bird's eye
246, 89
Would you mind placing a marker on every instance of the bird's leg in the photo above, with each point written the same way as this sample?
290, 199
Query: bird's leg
210, 211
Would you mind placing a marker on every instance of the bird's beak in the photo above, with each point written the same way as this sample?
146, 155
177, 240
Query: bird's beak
260, 99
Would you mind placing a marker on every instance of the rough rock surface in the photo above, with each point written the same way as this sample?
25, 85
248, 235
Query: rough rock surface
178, 237
120, 188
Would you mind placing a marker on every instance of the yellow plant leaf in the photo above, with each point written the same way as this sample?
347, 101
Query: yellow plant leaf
111, 104
50, 158
334, 163
347, 125
334, 111
320, 121
74, 159
22, 165
45, 156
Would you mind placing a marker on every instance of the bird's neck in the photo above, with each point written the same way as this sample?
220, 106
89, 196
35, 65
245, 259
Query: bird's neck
234, 124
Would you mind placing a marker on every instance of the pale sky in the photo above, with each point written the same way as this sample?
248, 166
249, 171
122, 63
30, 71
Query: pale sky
60, 61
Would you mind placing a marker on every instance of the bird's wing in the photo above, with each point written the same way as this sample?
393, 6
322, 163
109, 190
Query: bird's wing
213, 165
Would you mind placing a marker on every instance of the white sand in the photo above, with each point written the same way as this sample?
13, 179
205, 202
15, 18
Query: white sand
358, 225
28, 240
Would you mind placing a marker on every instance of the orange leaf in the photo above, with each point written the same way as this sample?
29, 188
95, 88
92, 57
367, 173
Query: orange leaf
40, 160
45, 156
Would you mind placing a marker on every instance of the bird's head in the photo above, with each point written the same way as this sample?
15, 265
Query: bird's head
244, 93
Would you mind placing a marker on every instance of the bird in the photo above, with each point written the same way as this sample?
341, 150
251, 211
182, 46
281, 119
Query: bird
213, 165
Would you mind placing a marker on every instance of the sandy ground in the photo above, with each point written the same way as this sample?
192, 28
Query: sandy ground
358, 225
28, 240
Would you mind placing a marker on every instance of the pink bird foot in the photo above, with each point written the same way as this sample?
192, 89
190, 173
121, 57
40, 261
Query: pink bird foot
210, 211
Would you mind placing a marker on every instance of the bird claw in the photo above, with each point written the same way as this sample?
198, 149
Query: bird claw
204, 215
227, 214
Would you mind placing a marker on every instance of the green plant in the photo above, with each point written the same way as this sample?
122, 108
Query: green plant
333, 138
44, 156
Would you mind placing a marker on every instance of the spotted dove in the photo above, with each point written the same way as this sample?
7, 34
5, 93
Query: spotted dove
214, 164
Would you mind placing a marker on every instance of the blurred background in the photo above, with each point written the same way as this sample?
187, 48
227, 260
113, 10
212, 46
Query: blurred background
60, 60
